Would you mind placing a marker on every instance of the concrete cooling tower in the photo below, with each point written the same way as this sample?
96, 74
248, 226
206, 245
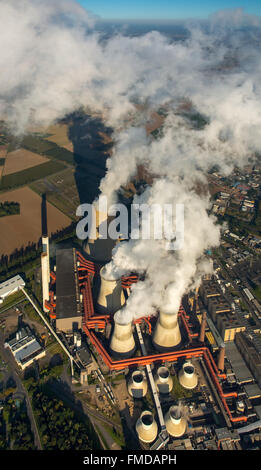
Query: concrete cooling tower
100, 249
187, 376
163, 380
111, 297
167, 333
146, 427
122, 343
175, 423
138, 386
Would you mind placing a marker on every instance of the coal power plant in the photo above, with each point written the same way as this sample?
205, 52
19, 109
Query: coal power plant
158, 357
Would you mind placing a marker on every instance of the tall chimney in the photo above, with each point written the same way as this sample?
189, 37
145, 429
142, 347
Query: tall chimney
100, 249
45, 279
111, 296
221, 357
122, 343
45, 238
167, 333
203, 327
146, 427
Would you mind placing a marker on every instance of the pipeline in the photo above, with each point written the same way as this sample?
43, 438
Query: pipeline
165, 357
99, 321
207, 356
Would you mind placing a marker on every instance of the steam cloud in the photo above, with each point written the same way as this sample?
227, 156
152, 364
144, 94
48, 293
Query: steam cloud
53, 62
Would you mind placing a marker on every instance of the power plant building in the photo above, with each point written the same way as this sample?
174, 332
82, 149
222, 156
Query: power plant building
242, 372
68, 306
251, 356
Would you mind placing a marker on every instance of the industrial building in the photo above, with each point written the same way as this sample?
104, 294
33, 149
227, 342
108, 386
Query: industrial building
10, 286
25, 348
83, 300
68, 307
242, 372
250, 355
229, 325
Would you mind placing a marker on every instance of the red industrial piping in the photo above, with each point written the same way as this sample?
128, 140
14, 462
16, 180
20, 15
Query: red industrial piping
92, 321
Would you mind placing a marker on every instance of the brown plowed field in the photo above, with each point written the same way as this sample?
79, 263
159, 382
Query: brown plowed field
22, 159
60, 136
18, 230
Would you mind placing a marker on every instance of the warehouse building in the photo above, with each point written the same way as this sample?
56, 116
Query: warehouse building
25, 348
10, 287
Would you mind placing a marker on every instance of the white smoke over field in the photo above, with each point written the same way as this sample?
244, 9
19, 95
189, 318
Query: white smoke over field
53, 62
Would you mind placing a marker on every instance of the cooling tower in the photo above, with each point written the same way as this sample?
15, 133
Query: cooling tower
175, 423
111, 297
187, 376
146, 427
100, 249
163, 380
122, 343
167, 333
138, 386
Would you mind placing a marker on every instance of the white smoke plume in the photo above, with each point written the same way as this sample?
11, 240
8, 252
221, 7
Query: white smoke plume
52, 63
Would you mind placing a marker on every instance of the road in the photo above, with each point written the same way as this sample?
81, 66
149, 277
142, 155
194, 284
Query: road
14, 373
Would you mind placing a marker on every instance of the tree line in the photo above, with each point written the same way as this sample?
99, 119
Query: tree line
24, 257
9, 208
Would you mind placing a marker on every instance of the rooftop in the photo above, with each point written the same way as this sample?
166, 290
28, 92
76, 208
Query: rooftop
239, 367
252, 390
67, 291
11, 284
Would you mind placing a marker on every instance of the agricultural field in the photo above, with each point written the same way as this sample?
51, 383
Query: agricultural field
21, 159
19, 230
50, 149
24, 177
59, 135
3, 151
61, 191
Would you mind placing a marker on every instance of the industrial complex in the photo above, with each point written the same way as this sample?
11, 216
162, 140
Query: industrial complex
205, 349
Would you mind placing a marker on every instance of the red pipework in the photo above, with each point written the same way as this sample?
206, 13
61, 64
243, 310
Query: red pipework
127, 281
165, 357
230, 395
90, 266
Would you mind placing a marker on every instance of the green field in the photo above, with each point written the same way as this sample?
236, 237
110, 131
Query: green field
257, 291
47, 148
61, 191
24, 177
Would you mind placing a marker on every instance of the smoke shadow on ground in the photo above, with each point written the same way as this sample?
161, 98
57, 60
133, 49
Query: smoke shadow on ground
92, 144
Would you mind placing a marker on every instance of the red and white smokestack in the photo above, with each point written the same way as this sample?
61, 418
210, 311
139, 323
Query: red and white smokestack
221, 357
45, 245
203, 327
45, 279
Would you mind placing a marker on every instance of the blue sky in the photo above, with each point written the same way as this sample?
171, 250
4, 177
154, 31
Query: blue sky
165, 9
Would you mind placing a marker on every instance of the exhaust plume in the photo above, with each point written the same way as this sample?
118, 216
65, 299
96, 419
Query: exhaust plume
53, 62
